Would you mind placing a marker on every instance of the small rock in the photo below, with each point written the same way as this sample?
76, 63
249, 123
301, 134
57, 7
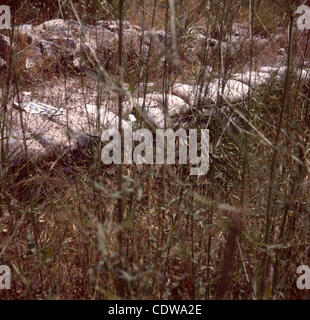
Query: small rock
176, 105
158, 36
187, 92
26, 31
55, 26
257, 78
235, 90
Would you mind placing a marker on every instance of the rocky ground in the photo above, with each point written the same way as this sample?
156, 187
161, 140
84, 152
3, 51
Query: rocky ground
65, 113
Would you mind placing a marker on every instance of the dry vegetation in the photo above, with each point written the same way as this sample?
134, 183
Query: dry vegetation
77, 229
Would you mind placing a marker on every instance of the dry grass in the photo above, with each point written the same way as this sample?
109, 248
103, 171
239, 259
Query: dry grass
178, 236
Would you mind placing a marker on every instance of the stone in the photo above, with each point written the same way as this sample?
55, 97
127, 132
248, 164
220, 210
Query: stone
55, 26
271, 70
16, 148
154, 108
176, 105
46, 47
185, 91
113, 25
49, 128
235, 90
26, 31
157, 36
257, 78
